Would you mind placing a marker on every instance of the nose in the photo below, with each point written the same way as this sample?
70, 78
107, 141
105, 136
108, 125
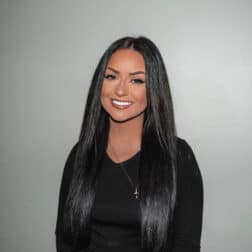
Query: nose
121, 88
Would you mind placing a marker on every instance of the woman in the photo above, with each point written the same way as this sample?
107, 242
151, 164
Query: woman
130, 184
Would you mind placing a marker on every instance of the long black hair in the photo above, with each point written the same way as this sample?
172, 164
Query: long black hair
157, 171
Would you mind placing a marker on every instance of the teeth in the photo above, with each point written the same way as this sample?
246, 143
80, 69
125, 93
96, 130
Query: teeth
121, 103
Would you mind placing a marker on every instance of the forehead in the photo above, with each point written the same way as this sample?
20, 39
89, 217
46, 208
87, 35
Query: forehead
127, 59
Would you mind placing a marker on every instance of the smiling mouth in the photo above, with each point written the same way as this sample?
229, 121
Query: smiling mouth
121, 104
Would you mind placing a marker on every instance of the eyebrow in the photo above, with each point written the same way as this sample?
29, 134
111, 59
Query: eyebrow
113, 70
138, 72
117, 72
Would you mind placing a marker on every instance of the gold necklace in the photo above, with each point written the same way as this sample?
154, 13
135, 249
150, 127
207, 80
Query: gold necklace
136, 193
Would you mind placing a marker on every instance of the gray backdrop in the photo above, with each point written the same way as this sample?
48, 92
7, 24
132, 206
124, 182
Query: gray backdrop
48, 52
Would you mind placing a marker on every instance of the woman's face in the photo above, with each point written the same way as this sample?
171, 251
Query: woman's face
123, 93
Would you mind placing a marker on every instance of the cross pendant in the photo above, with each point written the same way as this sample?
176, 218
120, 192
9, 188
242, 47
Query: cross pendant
136, 194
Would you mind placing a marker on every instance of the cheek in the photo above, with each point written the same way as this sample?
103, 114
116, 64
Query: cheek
145, 103
104, 97
143, 97
106, 89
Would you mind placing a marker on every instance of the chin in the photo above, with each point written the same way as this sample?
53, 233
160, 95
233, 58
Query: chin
120, 120
123, 119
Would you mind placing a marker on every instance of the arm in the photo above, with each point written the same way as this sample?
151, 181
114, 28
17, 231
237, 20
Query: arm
189, 207
61, 244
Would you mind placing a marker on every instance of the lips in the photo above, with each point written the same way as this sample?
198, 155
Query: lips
121, 104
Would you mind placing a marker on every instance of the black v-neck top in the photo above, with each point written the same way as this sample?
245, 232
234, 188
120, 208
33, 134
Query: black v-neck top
115, 222
116, 212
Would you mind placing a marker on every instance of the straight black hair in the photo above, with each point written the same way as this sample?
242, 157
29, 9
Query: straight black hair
157, 171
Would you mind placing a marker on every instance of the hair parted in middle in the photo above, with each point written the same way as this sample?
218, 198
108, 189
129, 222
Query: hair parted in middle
157, 171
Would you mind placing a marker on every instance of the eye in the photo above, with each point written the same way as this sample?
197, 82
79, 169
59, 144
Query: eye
109, 76
137, 81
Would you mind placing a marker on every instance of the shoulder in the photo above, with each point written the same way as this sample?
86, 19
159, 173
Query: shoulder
72, 153
189, 178
69, 164
182, 146
187, 163
67, 173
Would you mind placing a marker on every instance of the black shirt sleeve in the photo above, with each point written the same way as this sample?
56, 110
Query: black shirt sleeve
188, 211
61, 244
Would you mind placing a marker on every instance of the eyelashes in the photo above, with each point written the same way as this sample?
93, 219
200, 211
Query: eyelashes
134, 80
109, 77
137, 81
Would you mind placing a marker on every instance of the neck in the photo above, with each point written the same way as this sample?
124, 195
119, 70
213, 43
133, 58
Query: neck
126, 135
